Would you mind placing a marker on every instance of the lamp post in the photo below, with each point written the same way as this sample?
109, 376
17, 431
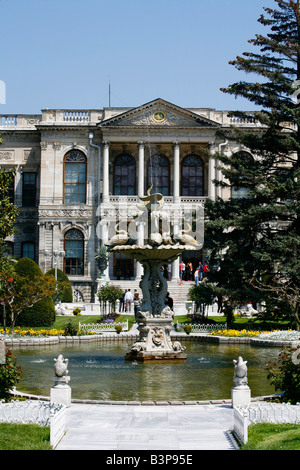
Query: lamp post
56, 254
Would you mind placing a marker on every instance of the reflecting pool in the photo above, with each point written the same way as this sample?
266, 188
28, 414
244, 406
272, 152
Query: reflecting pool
98, 371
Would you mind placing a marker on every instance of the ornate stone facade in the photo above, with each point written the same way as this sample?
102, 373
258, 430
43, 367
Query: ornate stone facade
72, 187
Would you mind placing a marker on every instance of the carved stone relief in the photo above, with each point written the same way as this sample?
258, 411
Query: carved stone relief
7, 155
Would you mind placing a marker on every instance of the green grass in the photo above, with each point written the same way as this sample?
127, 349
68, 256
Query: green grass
266, 436
24, 437
239, 323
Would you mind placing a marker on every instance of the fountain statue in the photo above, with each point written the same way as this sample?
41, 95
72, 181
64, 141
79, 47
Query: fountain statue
154, 318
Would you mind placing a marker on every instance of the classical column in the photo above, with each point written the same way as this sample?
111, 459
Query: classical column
211, 172
105, 186
176, 195
140, 242
104, 239
141, 174
175, 264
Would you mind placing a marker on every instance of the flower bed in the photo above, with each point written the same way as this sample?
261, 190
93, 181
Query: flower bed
288, 335
235, 333
31, 332
44, 333
279, 335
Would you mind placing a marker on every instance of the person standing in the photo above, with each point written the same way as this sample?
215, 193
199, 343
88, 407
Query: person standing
169, 301
200, 271
136, 302
196, 276
183, 271
122, 303
128, 300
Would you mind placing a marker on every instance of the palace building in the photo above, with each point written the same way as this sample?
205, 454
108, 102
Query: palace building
78, 172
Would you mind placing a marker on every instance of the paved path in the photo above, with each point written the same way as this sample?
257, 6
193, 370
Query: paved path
148, 427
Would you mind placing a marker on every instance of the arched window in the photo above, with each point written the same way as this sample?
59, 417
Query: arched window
192, 176
74, 252
124, 175
74, 177
159, 174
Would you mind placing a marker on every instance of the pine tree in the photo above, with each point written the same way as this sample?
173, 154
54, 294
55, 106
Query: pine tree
254, 240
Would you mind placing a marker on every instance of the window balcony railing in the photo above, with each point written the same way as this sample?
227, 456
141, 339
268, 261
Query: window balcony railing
19, 120
167, 199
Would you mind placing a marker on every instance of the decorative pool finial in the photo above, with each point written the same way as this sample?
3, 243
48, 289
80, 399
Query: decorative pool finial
240, 371
61, 366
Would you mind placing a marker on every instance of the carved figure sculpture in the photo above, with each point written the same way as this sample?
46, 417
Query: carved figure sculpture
120, 238
185, 239
240, 372
61, 366
240, 367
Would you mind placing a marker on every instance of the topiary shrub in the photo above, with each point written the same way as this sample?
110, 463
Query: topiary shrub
43, 312
65, 295
70, 329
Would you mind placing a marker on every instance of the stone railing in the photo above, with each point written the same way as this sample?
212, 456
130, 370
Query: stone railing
198, 328
21, 120
36, 412
263, 413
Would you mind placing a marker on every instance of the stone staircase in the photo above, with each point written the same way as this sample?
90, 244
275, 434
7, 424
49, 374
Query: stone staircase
178, 291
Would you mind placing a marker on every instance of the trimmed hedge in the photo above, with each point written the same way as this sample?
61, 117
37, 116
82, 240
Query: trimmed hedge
43, 312
66, 294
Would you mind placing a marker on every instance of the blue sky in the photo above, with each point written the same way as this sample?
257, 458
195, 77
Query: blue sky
63, 53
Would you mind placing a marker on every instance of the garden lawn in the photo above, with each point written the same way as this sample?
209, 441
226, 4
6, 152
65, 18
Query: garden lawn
24, 437
266, 436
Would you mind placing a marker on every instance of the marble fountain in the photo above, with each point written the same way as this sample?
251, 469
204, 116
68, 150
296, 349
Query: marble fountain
159, 247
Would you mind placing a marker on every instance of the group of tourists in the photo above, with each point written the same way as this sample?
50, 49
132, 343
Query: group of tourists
187, 272
127, 300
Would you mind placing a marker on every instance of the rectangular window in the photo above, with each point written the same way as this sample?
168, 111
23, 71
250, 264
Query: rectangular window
28, 250
75, 179
29, 190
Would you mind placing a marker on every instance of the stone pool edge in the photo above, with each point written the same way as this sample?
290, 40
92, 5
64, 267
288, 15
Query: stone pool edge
51, 340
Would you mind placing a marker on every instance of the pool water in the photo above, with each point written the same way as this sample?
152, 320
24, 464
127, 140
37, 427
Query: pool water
99, 371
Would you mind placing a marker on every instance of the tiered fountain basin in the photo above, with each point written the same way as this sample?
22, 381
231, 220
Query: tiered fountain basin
154, 318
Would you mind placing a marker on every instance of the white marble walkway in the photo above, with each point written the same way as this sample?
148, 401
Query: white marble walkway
144, 427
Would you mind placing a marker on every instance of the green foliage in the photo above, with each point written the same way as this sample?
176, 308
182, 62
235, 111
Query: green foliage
76, 311
118, 329
285, 375
70, 329
42, 313
10, 374
64, 294
269, 436
8, 211
254, 241
202, 294
24, 437
110, 294
187, 329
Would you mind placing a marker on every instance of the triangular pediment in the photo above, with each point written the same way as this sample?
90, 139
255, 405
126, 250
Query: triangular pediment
158, 113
